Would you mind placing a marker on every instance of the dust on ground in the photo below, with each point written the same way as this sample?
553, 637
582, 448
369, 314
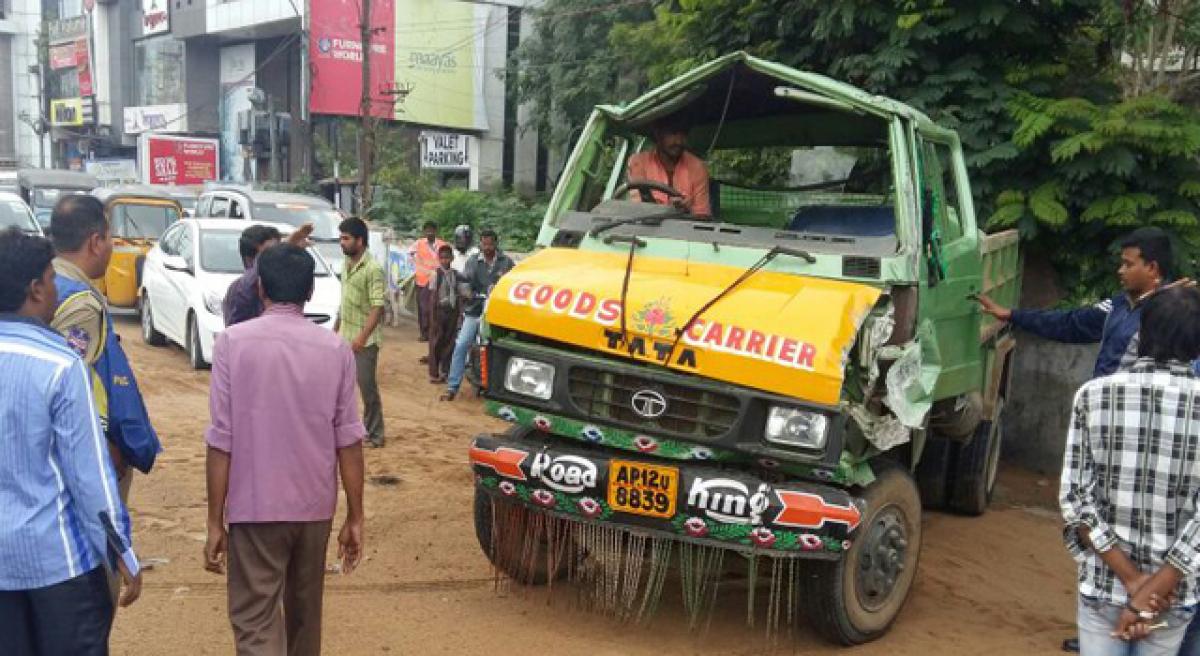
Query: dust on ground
998, 584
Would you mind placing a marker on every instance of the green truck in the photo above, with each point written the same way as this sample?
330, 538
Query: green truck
770, 394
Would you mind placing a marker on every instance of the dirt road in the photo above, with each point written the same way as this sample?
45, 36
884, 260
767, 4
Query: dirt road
1000, 584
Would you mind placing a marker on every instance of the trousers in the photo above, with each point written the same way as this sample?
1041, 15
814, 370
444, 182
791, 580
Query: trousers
367, 362
69, 618
276, 584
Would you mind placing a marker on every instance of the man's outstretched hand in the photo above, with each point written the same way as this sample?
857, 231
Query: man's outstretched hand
299, 236
993, 308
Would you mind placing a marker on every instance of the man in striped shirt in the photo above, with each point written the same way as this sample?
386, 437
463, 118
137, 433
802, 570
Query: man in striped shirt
63, 522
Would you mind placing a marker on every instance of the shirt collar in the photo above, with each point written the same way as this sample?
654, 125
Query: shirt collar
20, 318
1150, 365
362, 261
285, 309
69, 269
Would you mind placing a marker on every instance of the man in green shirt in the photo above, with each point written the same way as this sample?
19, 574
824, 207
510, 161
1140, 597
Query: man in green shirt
358, 321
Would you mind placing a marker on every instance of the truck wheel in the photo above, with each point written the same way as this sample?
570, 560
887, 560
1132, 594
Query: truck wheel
933, 472
855, 599
512, 550
975, 464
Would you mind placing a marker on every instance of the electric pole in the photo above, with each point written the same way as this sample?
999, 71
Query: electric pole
366, 131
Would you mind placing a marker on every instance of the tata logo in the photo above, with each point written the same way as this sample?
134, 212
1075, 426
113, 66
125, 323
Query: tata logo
648, 403
729, 501
325, 44
569, 474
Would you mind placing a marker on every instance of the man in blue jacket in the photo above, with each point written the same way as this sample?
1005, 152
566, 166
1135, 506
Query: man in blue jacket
1146, 263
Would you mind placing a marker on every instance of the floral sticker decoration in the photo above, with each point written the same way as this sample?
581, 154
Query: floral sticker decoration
542, 423
544, 498
508, 489
762, 537
655, 319
696, 527
592, 433
810, 542
589, 507
702, 453
506, 413
645, 444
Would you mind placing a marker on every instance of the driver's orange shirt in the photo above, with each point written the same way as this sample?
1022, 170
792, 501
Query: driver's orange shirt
690, 178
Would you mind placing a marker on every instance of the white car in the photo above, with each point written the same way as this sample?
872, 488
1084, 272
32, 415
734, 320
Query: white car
185, 278
14, 213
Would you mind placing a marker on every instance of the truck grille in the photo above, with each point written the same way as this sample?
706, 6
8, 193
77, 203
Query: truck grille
691, 412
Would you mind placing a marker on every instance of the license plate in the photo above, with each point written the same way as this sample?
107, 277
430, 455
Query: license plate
641, 489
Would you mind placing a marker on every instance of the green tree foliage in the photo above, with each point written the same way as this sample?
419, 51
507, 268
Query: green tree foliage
567, 66
1067, 109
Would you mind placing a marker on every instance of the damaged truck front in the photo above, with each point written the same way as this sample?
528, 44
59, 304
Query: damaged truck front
779, 387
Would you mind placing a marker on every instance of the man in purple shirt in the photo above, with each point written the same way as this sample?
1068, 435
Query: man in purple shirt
241, 299
284, 422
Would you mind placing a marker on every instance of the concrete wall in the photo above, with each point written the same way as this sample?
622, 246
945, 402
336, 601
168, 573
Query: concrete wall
188, 18
1038, 409
26, 19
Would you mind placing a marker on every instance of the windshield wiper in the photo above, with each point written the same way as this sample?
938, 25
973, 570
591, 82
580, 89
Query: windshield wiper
754, 268
651, 220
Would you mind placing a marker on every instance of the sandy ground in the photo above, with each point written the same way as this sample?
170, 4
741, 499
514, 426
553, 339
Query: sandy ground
1000, 584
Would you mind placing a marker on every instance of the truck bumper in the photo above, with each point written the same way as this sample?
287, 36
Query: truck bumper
684, 501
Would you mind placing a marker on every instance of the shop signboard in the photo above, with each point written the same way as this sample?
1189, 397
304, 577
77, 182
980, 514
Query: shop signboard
335, 50
84, 67
156, 118
67, 29
62, 56
155, 19
168, 160
70, 112
112, 172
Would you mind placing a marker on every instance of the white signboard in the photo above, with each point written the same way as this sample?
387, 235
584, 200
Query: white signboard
156, 118
445, 151
154, 17
111, 172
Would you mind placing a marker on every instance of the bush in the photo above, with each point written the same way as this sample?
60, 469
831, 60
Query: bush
406, 209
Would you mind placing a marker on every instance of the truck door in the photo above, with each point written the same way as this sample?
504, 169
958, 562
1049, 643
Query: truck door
953, 266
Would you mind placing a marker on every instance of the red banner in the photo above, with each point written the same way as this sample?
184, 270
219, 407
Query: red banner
63, 56
84, 67
174, 161
335, 49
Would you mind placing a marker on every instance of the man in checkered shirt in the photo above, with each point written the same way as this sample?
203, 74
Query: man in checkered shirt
1130, 487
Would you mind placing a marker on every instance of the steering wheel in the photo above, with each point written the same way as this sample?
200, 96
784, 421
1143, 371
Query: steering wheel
644, 187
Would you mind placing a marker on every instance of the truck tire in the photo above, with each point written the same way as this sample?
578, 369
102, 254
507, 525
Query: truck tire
525, 564
974, 466
933, 472
855, 599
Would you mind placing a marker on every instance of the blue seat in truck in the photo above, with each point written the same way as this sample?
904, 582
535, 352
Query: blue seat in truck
852, 221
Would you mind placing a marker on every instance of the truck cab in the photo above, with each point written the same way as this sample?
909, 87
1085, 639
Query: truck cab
790, 378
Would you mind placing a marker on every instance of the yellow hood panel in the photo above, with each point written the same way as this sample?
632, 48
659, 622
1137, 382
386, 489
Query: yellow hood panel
779, 333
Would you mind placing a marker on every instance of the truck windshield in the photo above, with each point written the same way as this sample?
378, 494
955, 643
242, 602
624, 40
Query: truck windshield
829, 190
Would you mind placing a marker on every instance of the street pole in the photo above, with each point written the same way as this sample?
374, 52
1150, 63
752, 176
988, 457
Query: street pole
366, 131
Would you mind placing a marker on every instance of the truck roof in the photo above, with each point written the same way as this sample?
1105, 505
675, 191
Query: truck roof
765, 91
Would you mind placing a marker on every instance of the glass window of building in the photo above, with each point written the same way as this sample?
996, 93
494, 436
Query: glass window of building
159, 66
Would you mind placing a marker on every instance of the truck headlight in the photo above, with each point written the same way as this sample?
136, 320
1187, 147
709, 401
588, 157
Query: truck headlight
212, 303
530, 378
796, 428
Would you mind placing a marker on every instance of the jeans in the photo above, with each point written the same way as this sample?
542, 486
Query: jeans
1098, 619
1191, 640
73, 617
462, 348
